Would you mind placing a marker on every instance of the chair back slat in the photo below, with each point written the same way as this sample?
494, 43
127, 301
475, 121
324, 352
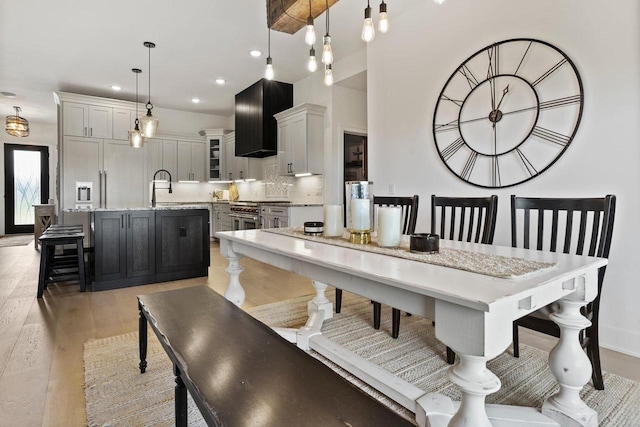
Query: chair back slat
594, 233
464, 219
409, 207
540, 230
567, 232
554, 230
582, 232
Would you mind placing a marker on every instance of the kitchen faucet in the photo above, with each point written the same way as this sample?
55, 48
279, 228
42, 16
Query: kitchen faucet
153, 190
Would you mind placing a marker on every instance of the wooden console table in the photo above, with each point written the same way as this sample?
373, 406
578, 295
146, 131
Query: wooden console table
473, 315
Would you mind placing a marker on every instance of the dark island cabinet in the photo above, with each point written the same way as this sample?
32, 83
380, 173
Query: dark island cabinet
138, 247
182, 242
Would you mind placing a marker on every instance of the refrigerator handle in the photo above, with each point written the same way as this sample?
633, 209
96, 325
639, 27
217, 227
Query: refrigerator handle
105, 188
99, 189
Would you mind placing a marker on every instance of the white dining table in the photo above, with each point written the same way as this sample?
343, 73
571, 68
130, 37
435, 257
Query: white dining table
473, 315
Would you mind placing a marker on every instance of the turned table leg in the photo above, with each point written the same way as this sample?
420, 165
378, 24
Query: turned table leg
475, 382
320, 301
571, 367
235, 292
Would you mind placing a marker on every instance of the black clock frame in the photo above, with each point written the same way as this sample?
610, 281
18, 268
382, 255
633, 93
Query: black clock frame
538, 104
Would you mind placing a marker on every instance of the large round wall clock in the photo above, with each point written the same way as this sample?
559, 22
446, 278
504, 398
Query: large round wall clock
508, 113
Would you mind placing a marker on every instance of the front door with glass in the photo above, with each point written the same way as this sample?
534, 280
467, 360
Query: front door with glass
26, 181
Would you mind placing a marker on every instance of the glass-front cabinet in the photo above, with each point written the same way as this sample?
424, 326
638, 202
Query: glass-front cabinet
216, 156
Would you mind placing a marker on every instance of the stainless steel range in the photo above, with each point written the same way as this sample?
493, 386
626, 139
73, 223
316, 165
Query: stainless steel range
245, 215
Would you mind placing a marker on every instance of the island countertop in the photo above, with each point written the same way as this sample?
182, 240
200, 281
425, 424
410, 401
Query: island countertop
157, 208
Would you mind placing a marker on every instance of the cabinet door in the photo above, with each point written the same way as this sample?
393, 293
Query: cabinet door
75, 119
241, 168
110, 246
169, 157
199, 161
81, 161
122, 123
284, 151
100, 122
214, 159
298, 144
123, 177
141, 245
229, 158
182, 240
184, 161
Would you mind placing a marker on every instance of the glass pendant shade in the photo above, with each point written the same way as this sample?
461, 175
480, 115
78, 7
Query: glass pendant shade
383, 24
136, 140
327, 52
312, 65
149, 124
368, 30
328, 75
16, 125
310, 35
268, 71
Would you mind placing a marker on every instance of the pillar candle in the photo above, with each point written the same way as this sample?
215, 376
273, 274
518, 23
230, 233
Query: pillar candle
333, 224
389, 220
361, 214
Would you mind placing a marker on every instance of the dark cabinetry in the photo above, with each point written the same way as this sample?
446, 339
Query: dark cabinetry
256, 128
137, 247
182, 242
124, 247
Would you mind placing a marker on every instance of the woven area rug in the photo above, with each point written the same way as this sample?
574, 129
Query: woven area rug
118, 395
16, 240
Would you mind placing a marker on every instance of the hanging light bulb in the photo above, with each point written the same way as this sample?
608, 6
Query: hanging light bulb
383, 24
135, 136
327, 52
368, 31
268, 71
310, 35
328, 75
312, 65
149, 123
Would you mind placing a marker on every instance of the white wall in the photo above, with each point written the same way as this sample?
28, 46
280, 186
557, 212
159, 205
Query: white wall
39, 134
408, 67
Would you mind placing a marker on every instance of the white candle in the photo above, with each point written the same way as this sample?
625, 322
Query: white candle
360, 214
389, 220
333, 224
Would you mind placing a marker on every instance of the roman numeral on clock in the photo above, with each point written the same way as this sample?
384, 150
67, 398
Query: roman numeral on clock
551, 136
549, 72
452, 149
442, 127
468, 167
455, 101
561, 102
526, 162
471, 79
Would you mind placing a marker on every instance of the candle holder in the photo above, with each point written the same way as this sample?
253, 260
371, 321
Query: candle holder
359, 201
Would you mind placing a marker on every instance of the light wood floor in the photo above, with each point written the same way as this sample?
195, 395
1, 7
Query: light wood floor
41, 341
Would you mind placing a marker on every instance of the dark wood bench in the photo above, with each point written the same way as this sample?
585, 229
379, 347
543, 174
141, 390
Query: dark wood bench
242, 373
56, 264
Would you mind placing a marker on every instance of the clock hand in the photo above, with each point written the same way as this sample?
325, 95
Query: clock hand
477, 119
504, 92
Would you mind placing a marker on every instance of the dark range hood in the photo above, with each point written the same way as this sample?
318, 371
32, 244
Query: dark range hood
256, 128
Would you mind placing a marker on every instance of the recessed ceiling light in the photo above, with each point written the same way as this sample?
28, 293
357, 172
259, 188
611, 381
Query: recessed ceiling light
255, 53
116, 87
221, 81
8, 94
195, 100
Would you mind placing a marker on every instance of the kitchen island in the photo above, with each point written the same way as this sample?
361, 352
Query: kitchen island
138, 246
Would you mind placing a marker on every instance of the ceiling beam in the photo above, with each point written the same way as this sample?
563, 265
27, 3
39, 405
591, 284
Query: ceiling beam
288, 16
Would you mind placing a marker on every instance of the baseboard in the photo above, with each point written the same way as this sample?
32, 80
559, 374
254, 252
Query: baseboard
627, 342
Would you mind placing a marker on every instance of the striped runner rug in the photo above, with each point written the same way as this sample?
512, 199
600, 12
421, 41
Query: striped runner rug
118, 395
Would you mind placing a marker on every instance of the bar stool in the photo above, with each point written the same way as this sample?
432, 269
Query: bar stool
63, 266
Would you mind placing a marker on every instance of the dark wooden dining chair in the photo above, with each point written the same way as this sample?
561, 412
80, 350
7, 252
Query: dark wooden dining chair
409, 205
466, 219
580, 226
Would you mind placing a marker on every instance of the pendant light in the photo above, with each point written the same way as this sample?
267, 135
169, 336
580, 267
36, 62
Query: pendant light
16, 125
383, 24
310, 35
328, 75
368, 31
268, 71
327, 52
312, 65
136, 139
149, 123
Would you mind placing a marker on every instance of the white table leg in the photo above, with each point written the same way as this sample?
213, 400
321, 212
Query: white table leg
571, 367
320, 301
235, 292
475, 382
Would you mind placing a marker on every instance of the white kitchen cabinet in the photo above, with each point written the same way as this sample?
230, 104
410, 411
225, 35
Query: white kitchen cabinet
235, 167
215, 145
111, 166
191, 160
221, 218
283, 216
123, 122
301, 140
87, 120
